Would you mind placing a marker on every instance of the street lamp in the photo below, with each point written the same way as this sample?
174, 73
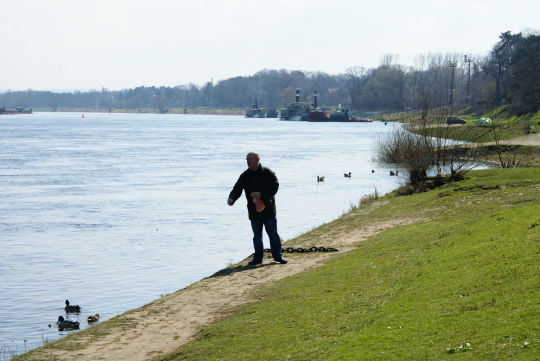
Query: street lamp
452, 65
469, 61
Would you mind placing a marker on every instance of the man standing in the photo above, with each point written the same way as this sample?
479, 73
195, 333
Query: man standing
260, 185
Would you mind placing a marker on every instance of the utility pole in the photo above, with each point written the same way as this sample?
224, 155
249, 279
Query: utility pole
452, 65
469, 61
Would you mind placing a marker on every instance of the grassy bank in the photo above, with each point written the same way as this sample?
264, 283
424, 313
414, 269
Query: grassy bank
463, 284
504, 129
508, 126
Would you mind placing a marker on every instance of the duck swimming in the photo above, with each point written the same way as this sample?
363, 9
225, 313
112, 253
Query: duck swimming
72, 308
93, 318
67, 324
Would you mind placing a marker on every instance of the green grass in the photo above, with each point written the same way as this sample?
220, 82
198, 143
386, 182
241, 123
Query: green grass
471, 132
469, 274
508, 125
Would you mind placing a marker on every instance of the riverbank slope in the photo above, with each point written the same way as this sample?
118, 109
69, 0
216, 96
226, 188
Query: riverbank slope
417, 277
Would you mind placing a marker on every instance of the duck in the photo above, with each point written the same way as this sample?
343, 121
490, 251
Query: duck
320, 178
93, 318
347, 175
72, 308
67, 324
394, 173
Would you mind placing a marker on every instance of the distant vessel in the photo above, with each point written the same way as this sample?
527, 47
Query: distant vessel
344, 115
271, 113
341, 115
317, 114
255, 111
18, 110
296, 110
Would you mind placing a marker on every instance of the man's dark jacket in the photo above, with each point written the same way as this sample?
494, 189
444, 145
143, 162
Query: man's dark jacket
262, 180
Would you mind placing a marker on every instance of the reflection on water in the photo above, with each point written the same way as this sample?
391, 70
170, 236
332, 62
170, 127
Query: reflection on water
114, 210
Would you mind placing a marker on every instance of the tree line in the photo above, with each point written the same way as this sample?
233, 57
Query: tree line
509, 74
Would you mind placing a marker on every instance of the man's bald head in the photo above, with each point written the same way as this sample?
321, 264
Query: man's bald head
253, 159
253, 154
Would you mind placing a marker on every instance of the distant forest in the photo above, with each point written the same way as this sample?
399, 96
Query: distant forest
509, 74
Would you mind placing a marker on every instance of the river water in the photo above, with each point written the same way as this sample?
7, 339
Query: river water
111, 211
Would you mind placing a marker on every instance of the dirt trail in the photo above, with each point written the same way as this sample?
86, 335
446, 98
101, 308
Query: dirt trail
531, 139
173, 320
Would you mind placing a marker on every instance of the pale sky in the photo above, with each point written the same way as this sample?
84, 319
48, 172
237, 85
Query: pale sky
118, 44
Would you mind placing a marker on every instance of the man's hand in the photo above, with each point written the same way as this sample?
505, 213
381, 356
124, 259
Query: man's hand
256, 195
230, 201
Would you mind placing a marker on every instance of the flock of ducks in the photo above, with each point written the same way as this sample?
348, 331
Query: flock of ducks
320, 178
66, 324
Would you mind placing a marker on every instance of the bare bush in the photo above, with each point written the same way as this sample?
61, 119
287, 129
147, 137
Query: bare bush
505, 161
425, 144
408, 150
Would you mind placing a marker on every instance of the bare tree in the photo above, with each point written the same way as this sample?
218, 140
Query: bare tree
355, 75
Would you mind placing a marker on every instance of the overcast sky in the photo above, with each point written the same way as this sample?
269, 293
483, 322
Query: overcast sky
118, 44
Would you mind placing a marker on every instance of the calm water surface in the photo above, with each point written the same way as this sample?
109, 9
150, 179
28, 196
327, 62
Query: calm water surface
111, 211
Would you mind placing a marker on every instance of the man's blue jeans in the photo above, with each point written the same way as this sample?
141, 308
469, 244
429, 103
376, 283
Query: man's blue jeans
270, 225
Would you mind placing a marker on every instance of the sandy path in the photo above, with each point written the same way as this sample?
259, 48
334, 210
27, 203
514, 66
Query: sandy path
173, 320
531, 139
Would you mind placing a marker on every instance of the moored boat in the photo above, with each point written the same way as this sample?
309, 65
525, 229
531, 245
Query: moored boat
18, 110
271, 113
255, 111
317, 114
341, 115
295, 111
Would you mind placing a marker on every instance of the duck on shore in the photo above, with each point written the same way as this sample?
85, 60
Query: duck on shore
67, 324
72, 308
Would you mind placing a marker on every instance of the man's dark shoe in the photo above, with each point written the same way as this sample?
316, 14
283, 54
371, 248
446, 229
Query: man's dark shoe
282, 260
254, 263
